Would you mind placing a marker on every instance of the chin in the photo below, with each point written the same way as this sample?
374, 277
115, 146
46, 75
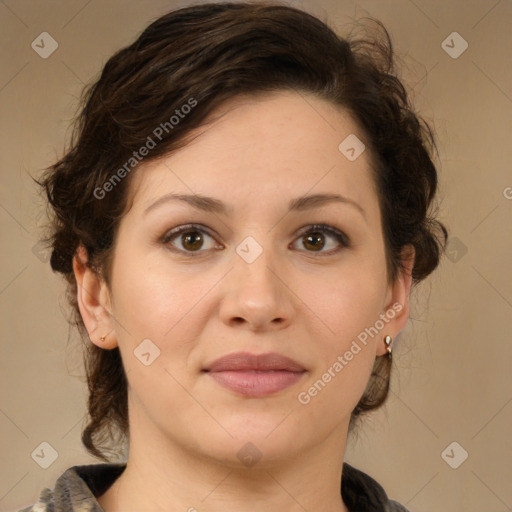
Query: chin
257, 439
252, 452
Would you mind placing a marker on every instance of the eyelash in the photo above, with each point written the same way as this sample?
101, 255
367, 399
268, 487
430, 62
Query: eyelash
341, 237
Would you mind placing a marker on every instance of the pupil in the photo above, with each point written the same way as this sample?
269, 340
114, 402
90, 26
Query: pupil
193, 241
189, 238
314, 236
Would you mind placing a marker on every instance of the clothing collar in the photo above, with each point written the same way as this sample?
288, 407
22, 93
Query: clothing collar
78, 487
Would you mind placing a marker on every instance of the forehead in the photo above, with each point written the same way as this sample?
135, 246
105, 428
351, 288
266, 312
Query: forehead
272, 146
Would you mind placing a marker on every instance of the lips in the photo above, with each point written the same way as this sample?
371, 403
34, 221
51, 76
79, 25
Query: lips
244, 361
255, 375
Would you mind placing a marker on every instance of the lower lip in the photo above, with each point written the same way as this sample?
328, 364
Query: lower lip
256, 383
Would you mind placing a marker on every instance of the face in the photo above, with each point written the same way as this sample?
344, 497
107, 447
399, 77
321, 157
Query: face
197, 280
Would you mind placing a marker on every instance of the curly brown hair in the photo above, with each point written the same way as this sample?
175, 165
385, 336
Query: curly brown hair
211, 53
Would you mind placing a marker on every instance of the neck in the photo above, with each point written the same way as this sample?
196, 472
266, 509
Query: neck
175, 479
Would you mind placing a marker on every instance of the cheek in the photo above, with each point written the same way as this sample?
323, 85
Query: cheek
342, 313
341, 318
343, 303
161, 307
155, 300
169, 307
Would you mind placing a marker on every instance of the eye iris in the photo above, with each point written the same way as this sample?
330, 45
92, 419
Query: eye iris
192, 237
315, 236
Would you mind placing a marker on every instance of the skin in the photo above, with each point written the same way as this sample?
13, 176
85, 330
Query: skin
186, 430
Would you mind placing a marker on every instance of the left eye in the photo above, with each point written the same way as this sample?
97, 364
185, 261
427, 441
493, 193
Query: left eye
315, 236
192, 239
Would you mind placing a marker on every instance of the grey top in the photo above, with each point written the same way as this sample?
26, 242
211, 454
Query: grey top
78, 487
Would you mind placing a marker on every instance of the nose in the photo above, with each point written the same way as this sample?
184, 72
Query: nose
255, 295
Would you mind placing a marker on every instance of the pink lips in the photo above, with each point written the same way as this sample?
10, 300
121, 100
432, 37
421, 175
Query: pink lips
255, 375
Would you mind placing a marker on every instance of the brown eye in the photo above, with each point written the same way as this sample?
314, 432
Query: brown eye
315, 241
192, 240
188, 239
316, 238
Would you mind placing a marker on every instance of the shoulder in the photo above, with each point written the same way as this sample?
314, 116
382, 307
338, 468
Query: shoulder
361, 492
45, 499
77, 488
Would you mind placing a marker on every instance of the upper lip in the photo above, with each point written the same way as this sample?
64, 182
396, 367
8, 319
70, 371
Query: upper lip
244, 361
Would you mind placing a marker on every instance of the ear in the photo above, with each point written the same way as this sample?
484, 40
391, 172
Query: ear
397, 300
93, 299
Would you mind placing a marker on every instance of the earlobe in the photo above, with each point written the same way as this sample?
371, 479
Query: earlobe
397, 305
93, 300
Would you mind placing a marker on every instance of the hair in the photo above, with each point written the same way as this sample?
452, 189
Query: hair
202, 56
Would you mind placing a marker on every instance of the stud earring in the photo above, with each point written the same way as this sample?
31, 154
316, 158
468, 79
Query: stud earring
387, 341
102, 339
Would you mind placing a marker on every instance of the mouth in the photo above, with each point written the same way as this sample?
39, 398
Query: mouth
254, 375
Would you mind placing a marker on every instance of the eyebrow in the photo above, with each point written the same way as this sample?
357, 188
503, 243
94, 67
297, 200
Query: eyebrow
213, 205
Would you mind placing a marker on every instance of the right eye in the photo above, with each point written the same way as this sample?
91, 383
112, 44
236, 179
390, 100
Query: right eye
191, 237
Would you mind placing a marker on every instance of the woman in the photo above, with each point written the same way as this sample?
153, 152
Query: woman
241, 216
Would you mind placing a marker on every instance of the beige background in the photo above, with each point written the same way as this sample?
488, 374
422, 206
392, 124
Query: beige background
452, 366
